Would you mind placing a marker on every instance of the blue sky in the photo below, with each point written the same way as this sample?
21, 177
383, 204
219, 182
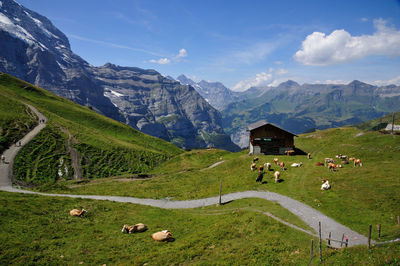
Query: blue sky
239, 43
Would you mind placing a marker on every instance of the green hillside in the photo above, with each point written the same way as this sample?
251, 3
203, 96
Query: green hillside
359, 196
380, 123
75, 139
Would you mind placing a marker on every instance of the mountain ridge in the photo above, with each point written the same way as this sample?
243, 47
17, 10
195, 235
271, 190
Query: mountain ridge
37, 52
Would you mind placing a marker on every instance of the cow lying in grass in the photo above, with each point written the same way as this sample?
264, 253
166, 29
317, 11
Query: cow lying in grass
164, 235
334, 167
296, 164
76, 212
137, 228
325, 185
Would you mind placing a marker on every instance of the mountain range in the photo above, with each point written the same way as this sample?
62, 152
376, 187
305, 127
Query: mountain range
34, 50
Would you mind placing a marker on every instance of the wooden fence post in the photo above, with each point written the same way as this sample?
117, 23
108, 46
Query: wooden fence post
379, 231
341, 243
329, 239
369, 236
320, 242
312, 249
398, 221
220, 188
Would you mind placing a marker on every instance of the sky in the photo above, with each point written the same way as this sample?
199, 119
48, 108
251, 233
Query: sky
239, 43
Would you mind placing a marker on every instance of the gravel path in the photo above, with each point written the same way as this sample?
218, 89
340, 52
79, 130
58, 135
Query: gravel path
6, 168
309, 215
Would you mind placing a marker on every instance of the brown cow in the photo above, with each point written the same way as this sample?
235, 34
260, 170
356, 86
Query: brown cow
282, 165
164, 235
357, 162
289, 152
276, 161
137, 228
319, 164
76, 212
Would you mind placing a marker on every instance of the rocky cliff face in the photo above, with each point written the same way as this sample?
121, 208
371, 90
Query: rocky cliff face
213, 92
34, 50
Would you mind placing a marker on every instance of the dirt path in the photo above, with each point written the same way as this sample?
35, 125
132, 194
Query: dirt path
6, 168
309, 215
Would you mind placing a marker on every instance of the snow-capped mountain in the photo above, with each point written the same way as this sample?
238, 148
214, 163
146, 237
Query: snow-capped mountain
34, 50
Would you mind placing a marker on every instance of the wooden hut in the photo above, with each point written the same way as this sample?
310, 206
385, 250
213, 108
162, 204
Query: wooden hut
266, 138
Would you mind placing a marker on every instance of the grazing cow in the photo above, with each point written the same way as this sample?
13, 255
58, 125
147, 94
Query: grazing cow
253, 167
255, 159
296, 164
357, 162
282, 165
276, 161
352, 159
137, 228
260, 177
277, 175
308, 155
319, 164
261, 169
329, 160
76, 212
164, 235
345, 162
325, 185
267, 166
289, 152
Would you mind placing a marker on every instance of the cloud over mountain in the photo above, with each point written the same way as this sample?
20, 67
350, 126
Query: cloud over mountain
319, 49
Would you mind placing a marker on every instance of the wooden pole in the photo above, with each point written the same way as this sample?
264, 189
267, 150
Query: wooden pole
398, 221
392, 123
312, 249
220, 188
369, 236
341, 243
329, 239
379, 231
320, 243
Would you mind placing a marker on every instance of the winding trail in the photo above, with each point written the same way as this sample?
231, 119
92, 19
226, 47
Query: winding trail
309, 215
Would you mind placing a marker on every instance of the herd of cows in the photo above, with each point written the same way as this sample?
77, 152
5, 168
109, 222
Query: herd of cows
330, 163
164, 235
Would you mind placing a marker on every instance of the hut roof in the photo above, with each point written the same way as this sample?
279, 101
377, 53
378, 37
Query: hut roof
261, 123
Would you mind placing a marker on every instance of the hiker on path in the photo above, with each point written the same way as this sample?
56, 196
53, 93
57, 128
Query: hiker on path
3, 158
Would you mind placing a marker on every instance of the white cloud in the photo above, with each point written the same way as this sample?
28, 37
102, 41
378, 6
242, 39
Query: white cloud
364, 19
395, 80
261, 79
332, 81
319, 49
182, 53
281, 71
161, 61
278, 62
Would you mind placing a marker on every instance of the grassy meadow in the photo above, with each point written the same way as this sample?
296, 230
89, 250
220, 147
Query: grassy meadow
359, 196
39, 230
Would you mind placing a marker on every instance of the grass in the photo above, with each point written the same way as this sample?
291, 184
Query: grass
359, 196
15, 121
106, 147
39, 230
